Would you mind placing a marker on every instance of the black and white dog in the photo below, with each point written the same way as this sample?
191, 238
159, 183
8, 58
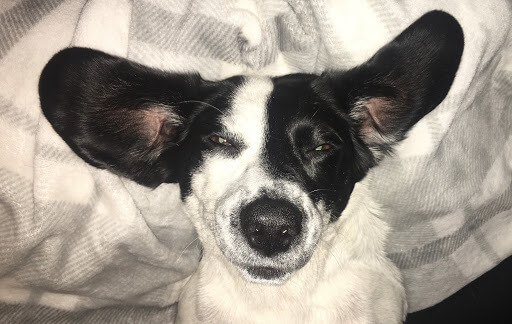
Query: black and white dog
271, 170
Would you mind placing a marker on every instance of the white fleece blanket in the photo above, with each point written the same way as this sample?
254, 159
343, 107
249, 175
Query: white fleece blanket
74, 238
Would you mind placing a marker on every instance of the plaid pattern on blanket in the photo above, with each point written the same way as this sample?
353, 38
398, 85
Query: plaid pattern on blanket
74, 238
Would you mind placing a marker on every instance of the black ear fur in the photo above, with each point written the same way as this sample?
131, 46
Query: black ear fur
116, 114
402, 82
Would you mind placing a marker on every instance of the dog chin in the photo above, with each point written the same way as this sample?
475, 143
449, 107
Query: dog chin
265, 275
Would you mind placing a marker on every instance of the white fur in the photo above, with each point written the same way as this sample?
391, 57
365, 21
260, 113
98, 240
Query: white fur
348, 278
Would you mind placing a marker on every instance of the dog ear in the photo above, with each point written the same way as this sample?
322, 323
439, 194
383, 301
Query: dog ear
402, 82
116, 114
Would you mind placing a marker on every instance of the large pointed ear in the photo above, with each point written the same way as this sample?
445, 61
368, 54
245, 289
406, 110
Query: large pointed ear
402, 82
116, 114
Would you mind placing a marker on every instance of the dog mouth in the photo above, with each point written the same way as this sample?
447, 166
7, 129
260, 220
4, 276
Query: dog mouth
266, 275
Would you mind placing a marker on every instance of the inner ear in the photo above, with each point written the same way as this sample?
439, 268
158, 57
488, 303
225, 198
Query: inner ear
158, 124
373, 114
377, 122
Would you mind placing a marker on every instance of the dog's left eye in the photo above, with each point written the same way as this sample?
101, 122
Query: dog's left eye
220, 140
323, 147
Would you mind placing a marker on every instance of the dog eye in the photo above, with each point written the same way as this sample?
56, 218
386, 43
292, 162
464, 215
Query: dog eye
323, 147
219, 140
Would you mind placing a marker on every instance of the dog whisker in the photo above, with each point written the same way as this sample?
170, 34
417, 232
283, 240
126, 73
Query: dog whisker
202, 102
312, 116
186, 247
316, 190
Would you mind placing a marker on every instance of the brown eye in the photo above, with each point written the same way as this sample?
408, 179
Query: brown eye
219, 140
323, 147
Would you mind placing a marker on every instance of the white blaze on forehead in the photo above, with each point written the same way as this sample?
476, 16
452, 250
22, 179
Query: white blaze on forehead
247, 120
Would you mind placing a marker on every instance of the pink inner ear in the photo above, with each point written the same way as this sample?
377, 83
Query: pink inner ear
158, 124
373, 114
375, 110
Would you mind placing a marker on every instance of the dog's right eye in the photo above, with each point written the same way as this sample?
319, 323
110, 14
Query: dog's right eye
220, 140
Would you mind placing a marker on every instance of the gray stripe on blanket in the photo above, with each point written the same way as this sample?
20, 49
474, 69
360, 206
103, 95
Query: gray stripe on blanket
486, 246
76, 252
389, 14
22, 314
297, 30
50, 152
15, 22
16, 217
444, 277
14, 190
446, 245
150, 55
192, 34
503, 83
14, 116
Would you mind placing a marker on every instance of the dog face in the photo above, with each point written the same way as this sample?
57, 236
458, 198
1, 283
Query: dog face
265, 184
264, 164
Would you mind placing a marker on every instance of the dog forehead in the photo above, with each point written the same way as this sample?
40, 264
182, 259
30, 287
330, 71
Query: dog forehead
247, 118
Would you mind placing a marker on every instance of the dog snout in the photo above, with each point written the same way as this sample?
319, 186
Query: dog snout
270, 225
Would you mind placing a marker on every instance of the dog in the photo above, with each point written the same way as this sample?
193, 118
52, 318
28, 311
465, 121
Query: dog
273, 171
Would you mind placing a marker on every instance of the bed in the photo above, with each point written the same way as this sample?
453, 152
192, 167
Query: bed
78, 244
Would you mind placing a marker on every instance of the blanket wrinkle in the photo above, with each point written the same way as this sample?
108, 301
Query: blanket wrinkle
78, 244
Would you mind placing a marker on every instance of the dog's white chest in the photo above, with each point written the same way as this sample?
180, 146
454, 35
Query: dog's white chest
355, 295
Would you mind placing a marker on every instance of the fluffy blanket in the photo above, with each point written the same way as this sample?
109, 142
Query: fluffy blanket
74, 238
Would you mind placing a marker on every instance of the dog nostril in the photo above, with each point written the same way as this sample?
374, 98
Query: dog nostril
255, 229
288, 231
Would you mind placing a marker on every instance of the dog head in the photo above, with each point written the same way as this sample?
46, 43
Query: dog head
263, 164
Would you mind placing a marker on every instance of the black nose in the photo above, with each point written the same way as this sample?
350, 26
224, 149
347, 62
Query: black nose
270, 225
